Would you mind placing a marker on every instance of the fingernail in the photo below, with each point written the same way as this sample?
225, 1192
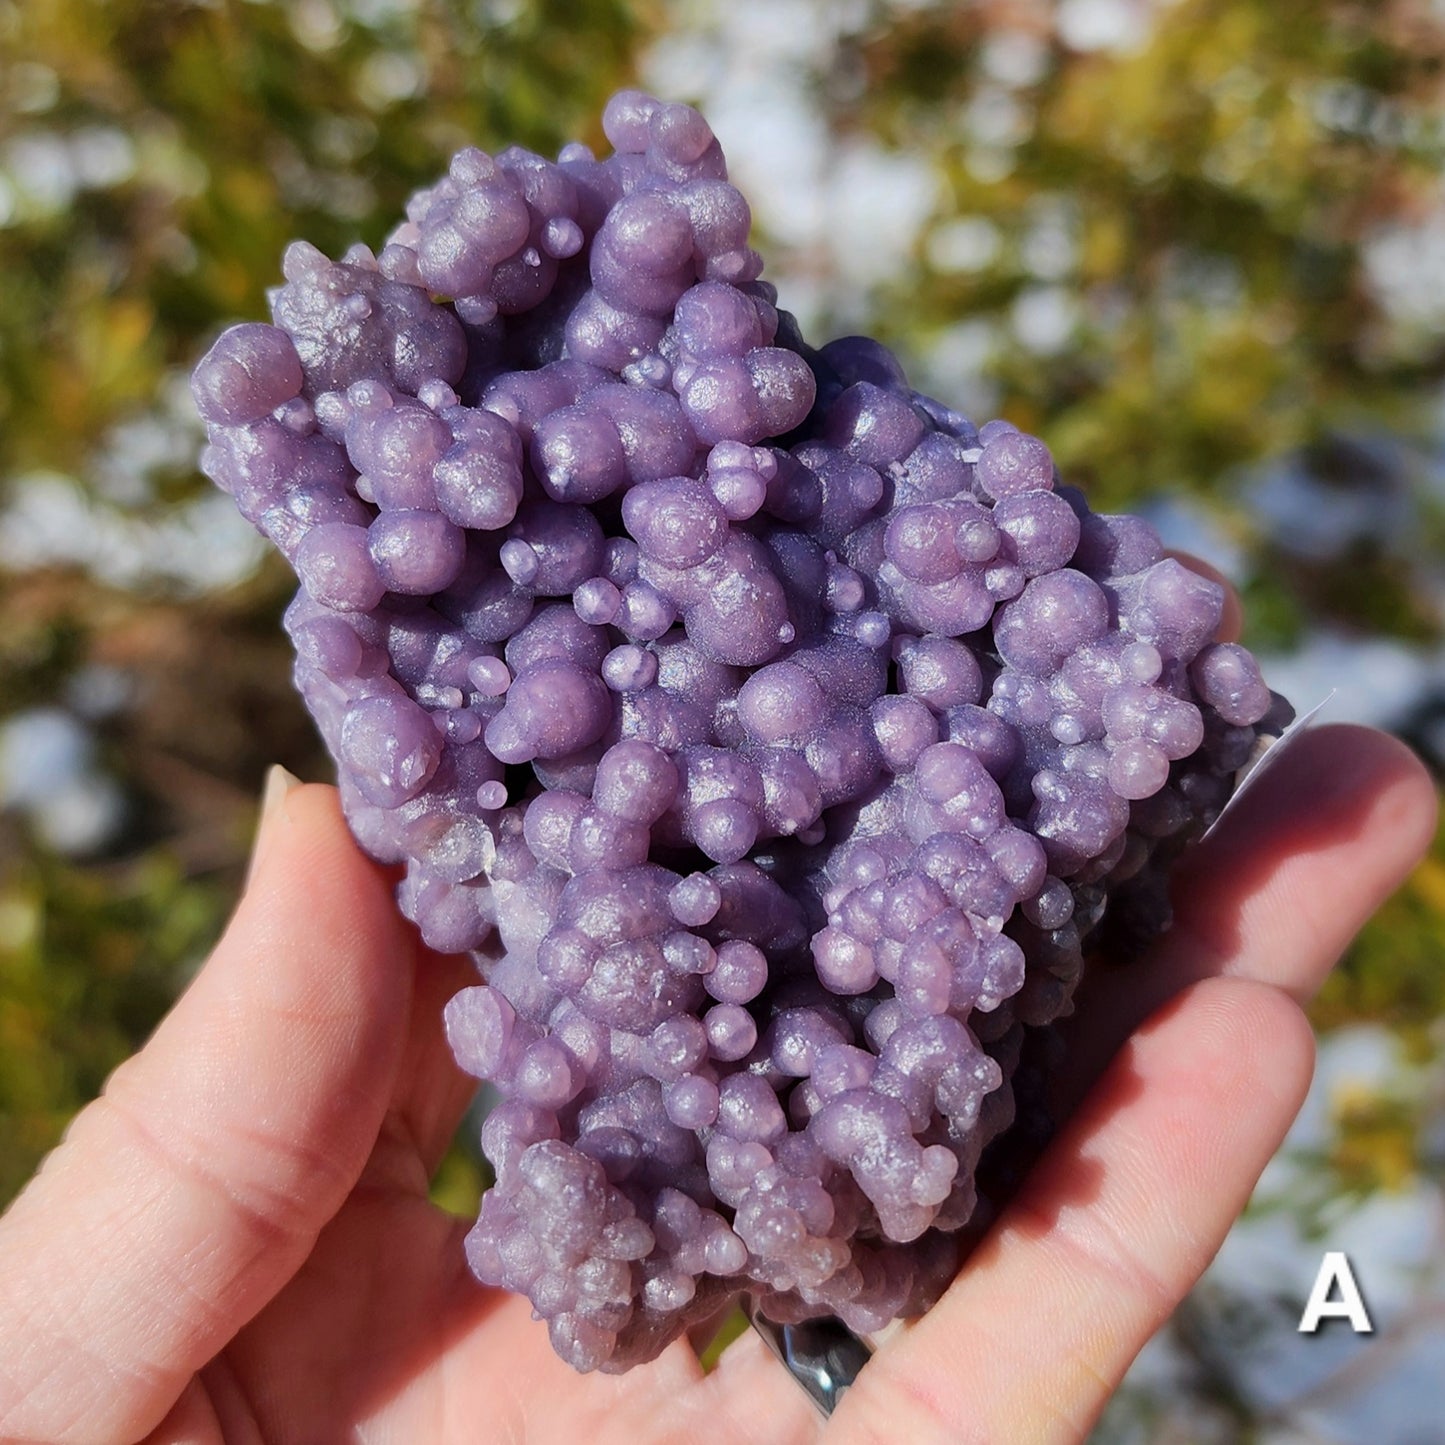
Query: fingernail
279, 784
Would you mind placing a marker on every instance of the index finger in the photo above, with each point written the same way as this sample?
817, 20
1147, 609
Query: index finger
1106, 1237
186, 1196
1064, 1291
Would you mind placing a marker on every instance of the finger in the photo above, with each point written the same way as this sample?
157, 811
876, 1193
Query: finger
189, 1193
192, 1420
1231, 624
508, 1374
432, 1093
1290, 876
1283, 884
1112, 1229
758, 1399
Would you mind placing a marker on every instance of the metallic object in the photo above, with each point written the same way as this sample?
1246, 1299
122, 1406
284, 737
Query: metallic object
823, 1356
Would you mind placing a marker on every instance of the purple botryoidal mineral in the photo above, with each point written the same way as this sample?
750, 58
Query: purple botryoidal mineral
773, 738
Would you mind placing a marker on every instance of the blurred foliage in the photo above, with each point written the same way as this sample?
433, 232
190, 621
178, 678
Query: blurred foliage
733, 1327
155, 158
169, 149
1180, 260
1395, 973
461, 1180
88, 961
1165, 258
1202, 201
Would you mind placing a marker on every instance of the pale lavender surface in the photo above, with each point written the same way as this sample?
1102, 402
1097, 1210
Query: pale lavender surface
773, 737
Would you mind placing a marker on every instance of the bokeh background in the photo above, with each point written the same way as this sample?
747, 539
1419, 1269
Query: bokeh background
1198, 245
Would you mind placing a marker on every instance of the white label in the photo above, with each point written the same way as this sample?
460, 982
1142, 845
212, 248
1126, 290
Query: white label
1335, 1277
1268, 751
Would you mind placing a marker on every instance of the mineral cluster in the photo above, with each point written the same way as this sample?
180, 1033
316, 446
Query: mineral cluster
773, 737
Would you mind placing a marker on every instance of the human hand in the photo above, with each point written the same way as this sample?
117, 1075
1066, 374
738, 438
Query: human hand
234, 1243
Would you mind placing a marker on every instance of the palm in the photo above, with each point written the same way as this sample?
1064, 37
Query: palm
384, 1329
308, 1291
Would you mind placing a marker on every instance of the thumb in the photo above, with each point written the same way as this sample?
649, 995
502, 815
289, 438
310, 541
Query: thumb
186, 1196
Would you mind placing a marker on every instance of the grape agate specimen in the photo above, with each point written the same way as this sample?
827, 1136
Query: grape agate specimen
774, 738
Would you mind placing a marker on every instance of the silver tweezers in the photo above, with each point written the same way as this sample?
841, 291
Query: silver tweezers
823, 1356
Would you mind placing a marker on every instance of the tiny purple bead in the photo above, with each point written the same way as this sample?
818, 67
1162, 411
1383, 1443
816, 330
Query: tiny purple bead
490, 676
1013, 462
629, 668
695, 900
731, 1032
248, 373
741, 973
692, 1102
597, 601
